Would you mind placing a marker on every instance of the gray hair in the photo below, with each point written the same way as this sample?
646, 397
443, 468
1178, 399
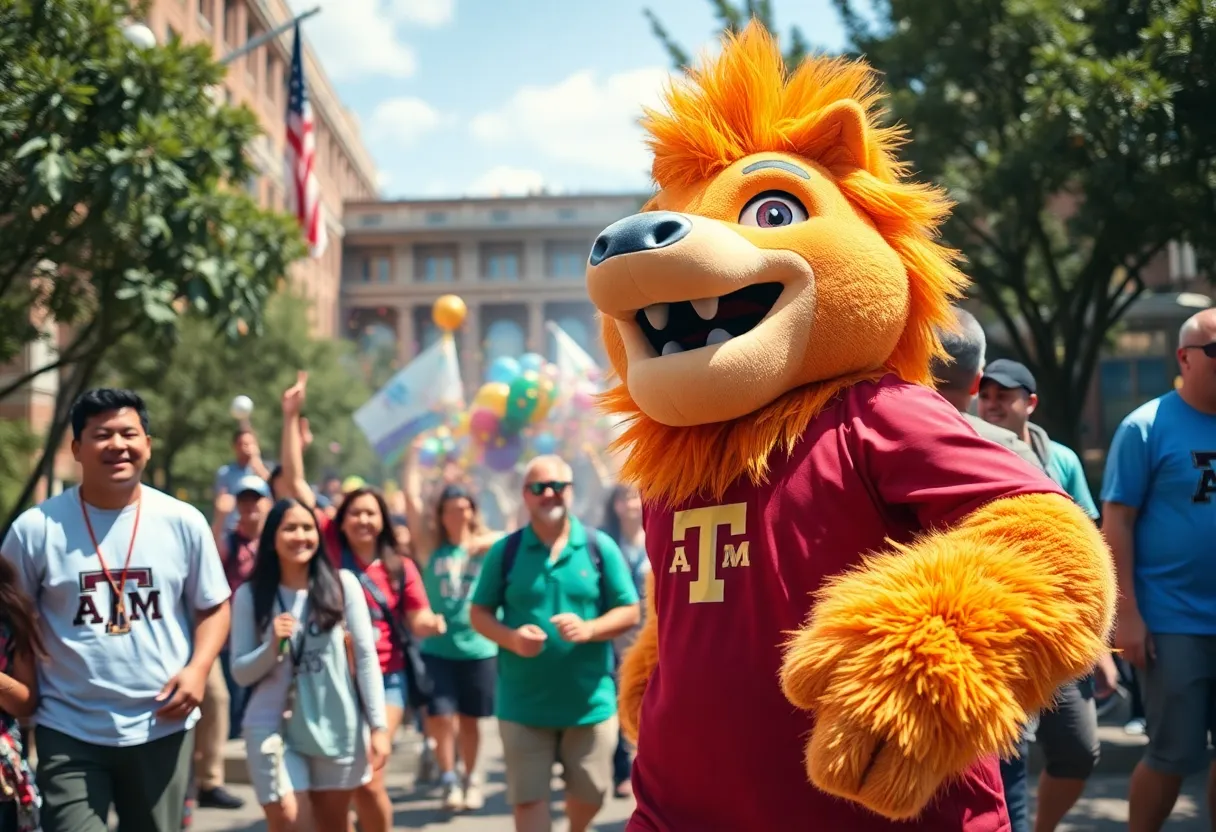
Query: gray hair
966, 347
549, 459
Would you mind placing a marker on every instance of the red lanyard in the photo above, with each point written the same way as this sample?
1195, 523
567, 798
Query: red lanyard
120, 624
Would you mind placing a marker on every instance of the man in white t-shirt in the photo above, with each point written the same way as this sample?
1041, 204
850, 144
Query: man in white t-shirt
134, 610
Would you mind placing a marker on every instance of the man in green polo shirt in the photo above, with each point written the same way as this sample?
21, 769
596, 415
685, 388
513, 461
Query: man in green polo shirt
562, 602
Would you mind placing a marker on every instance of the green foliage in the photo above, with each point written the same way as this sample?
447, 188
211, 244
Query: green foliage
1078, 139
17, 446
734, 18
190, 387
113, 164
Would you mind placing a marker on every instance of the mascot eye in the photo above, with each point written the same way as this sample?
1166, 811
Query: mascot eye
772, 209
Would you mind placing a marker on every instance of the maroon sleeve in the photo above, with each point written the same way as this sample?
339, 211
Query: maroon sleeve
415, 593
918, 452
328, 530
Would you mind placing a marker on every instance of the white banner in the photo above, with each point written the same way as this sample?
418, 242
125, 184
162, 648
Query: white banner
414, 400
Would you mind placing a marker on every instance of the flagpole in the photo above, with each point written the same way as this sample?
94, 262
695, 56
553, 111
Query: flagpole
269, 36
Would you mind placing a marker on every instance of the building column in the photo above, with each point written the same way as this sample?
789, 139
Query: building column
536, 326
403, 264
468, 262
533, 266
471, 350
405, 333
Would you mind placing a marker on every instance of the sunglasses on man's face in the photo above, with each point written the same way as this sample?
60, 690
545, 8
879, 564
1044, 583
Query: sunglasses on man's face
539, 488
1208, 349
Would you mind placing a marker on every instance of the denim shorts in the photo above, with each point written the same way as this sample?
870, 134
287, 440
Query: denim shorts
396, 688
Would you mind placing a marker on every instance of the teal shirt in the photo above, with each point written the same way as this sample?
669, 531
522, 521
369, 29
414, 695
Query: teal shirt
567, 685
1064, 466
449, 578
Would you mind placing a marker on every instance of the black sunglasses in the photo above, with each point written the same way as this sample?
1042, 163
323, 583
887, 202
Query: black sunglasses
539, 488
1208, 349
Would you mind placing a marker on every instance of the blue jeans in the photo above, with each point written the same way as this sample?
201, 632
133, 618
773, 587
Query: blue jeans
1017, 794
238, 697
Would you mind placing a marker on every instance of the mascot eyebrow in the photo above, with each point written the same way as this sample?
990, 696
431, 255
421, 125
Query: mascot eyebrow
777, 164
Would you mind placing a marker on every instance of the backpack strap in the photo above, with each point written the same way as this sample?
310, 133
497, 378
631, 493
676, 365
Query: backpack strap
511, 551
597, 560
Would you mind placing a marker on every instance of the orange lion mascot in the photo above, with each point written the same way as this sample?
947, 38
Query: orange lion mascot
855, 600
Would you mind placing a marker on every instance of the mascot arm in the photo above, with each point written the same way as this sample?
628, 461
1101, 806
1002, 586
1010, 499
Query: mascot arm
929, 656
639, 662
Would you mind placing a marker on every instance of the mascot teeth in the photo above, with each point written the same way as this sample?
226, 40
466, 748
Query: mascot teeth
657, 315
717, 336
671, 348
706, 308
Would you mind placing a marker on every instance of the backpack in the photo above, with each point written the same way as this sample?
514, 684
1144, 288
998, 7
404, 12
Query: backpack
511, 551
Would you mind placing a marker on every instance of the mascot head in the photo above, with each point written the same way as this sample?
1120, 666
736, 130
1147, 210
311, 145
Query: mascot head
784, 258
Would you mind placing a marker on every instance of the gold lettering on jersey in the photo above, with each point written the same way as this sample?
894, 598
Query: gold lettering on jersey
680, 562
735, 557
707, 587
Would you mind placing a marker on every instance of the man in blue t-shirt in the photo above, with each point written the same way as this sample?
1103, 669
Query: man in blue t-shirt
133, 605
1160, 522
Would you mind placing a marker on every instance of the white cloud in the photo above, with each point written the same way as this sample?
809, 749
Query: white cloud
508, 181
383, 179
362, 38
400, 121
585, 119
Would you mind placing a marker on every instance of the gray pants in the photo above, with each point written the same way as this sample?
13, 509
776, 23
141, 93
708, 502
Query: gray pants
1068, 733
146, 784
1179, 689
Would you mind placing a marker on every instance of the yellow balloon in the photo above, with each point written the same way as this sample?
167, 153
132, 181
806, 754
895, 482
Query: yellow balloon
448, 312
461, 428
493, 397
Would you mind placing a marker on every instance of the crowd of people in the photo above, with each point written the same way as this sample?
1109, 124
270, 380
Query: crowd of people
312, 622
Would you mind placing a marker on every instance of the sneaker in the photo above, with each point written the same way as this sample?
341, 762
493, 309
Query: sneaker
473, 798
453, 797
218, 798
428, 766
1136, 728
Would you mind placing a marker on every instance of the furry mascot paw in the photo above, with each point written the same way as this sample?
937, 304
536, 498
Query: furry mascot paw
636, 666
931, 655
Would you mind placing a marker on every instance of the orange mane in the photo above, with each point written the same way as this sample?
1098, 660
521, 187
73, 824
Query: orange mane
745, 102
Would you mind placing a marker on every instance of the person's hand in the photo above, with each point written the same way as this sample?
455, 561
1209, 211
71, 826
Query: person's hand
1106, 677
529, 639
380, 749
572, 628
293, 396
184, 692
1132, 638
225, 504
441, 625
284, 625
305, 433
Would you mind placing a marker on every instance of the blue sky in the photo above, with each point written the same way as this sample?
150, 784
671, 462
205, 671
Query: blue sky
459, 97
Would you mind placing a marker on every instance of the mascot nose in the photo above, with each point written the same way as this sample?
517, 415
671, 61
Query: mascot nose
641, 232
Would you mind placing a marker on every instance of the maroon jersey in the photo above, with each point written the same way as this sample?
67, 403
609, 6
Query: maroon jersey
722, 749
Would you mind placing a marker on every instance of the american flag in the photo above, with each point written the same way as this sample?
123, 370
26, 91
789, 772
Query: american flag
302, 156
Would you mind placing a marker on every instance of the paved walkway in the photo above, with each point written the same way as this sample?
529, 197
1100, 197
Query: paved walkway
1102, 809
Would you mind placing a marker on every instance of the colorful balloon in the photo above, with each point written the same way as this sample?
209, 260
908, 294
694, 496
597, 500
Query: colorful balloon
584, 399
430, 452
503, 370
544, 443
483, 425
531, 361
448, 312
522, 401
493, 397
548, 396
503, 453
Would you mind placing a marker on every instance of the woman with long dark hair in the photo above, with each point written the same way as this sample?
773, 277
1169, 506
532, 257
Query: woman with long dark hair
360, 538
462, 664
20, 647
623, 523
302, 639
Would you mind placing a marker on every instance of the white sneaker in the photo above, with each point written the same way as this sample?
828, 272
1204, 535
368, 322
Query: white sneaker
473, 798
1135, 728
453, 797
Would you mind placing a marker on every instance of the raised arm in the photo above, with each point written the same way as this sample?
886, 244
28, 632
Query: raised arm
292, 445
415, 512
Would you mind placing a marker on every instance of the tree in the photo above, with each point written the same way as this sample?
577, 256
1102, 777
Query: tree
732, 18
117, 205
189, 387
1078, 140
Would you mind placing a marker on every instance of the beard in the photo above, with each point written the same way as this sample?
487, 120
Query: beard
552, 514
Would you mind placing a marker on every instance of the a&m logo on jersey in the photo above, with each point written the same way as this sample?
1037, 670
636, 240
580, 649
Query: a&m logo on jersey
708, 558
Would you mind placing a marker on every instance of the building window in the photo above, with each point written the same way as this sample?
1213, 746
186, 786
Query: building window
365, 270
578, 331
206, 14
252, 185
436, 218
1182, 261
504, 338
170, 34
500, 215
370, 219
384, 270
565, 260
566, 213
435, 265
1126, 383
500, 262
231, 34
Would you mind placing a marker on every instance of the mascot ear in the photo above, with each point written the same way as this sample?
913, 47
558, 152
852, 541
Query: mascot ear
844, 125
